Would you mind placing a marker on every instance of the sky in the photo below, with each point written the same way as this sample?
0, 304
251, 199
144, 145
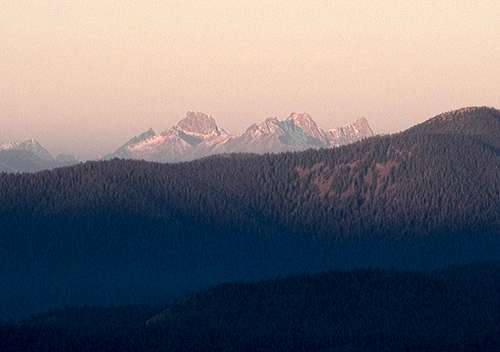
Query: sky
82, 77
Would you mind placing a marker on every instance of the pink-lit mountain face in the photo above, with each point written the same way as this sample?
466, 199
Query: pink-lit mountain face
198, 135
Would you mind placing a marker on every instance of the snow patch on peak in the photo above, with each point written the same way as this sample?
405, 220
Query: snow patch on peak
305, 122
350, 133
142, 137
197, 135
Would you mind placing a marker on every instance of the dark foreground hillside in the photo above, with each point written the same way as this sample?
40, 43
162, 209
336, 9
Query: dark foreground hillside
127, 232
457, 309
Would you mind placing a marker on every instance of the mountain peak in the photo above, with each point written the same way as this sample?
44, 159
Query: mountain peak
269, 125
361, 121
362, 125
197, 135
300, 116
143, 136
198, 123
30, 145
350, 133
305, 122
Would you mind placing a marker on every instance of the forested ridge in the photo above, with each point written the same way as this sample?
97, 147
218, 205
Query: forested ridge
481, 123
426, 197
455, 309
395, 185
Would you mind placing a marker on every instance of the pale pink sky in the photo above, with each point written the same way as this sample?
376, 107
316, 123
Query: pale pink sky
84, 76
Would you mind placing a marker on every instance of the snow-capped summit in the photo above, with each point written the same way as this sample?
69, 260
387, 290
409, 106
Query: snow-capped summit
124, 151
270, 126
305, 122
198, 124
198, 135
200, 129
350, 133
192, 137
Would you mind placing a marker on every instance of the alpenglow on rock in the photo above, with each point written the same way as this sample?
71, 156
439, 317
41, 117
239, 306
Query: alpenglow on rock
197, 135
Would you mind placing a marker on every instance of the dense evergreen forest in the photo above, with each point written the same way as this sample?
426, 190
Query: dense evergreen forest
456, 309
126, 232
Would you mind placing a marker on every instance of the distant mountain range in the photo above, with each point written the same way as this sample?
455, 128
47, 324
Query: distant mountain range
198, 135
194, 137
127, 231
30, 156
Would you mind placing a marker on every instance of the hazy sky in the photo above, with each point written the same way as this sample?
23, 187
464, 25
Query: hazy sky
84, 76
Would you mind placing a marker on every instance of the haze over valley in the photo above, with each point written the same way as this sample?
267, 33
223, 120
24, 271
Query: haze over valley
333, 186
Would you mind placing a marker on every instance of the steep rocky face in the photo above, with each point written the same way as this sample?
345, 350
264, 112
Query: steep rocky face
259, 138
350, 133
198, 135
308, 125
298, 132
167, 146
124, 152
192, 137
200, 125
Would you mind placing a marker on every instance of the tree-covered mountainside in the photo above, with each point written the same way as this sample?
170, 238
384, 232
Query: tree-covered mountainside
130, 231
480, 122
456, 309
